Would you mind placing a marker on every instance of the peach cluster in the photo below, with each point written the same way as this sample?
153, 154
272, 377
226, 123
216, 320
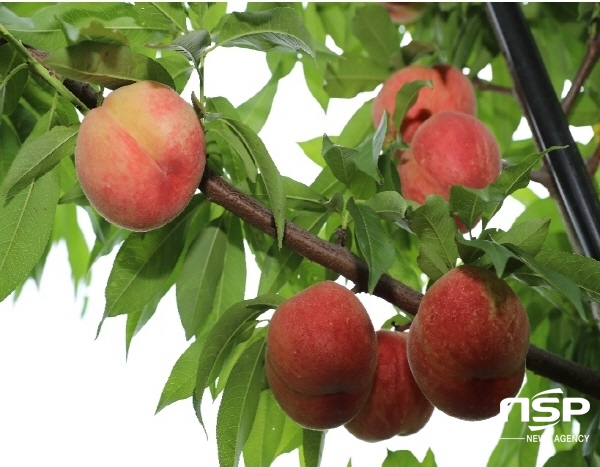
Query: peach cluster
448, 145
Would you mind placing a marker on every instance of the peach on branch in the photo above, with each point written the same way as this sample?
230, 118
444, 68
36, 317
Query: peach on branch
321, 356
405, 12
451, 91
468, 342
451, 148
140, 156
396, 404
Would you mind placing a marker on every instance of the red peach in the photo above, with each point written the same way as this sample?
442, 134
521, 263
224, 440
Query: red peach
405, 12
140, 156
450, 148
396, 405
321, 356
468, 342
451, 91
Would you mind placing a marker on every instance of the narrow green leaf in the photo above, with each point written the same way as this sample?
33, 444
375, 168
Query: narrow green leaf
498, 254
144, 266
192, 45
256, 110
181, 381
378, 35
107, 65
271, 176
561, 283
390, 206
341, 160
406, 458
267, 432
12, 79
239, 404
219, 340
280, 28
406, 98
584, 271
374, 244
527, 235
312, 447
26, 221
436, 230
39, 155
352, 74
202, 268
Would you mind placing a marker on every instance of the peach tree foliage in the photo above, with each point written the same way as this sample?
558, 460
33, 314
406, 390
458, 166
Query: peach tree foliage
355, 197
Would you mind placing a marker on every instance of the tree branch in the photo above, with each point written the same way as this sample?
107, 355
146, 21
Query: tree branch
592, 52
483, 85
343, 262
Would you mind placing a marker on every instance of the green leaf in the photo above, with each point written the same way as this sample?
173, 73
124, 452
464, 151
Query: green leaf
12, 79
106, 65
406, 458
271, 176
469, 204
197, 283
280, 28
26, 221
584, 271
312, 447
181, 381
341, 160
390, 206
256, 110
369, 152
145, 264
267, 432
232, 282
561, 283
527, 235
192, 45
436, 230
239, 404
498, 254
571, 457
221, 337
39, 155
378, 35
406, 98
353, 74
374, 244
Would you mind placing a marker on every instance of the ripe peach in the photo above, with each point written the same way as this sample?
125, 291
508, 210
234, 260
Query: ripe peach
450, 148
140, 156
405, 12
451, 91
321, 356
468, 342
396, 405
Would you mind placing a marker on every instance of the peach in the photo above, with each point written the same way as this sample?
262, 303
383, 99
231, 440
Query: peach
468, 342
321, 356
405, 12
140, 156
450, 148
396, 405
451, 91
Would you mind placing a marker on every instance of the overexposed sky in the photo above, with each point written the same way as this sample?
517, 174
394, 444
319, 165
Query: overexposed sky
68, 399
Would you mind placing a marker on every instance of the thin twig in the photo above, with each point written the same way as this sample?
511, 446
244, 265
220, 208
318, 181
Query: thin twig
483, 85
592, 52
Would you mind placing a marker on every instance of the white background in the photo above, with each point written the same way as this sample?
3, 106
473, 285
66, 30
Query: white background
68, 399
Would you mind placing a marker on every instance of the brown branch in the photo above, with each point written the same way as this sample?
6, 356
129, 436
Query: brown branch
483, 85
343, 262
339, 260
592, 52
592, 163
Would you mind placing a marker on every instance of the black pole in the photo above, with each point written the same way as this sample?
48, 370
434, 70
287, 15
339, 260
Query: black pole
548, 123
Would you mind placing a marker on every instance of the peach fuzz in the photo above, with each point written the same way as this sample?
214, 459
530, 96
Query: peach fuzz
321, 356
140, 156
450, 148
396, 405
468, 343
451, 91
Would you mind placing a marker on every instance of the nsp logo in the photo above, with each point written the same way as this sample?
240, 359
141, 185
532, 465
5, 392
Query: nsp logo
545, 404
